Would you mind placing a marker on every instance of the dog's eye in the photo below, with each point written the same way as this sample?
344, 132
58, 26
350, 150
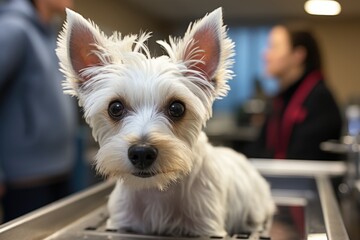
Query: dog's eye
176, 109
116, 110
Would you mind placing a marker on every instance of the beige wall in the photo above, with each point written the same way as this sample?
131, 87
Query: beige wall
115, 15
340, 45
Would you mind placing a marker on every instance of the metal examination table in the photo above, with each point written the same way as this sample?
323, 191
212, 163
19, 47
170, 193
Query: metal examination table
307, 209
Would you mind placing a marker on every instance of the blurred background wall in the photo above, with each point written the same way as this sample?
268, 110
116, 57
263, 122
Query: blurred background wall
340, 42
339, 36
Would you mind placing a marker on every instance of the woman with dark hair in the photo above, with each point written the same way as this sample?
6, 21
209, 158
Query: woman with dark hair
304, 113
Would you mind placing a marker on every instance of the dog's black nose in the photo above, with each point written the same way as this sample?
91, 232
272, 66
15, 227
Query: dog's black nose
142, 155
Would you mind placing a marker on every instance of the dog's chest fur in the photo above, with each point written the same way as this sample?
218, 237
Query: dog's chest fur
180, 208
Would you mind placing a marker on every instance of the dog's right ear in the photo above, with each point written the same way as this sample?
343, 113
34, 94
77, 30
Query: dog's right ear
80, 45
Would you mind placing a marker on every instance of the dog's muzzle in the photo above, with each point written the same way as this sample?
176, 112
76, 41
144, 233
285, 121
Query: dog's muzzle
142, 156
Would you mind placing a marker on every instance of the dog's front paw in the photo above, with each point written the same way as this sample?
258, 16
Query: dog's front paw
110, 226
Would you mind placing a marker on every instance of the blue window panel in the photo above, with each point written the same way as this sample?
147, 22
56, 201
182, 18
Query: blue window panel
250, 45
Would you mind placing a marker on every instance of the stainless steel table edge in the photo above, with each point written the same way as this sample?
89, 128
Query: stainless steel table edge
334, 224
302, 168
49, 219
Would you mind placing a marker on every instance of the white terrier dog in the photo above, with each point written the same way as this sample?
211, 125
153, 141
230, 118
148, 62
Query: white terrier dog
147, 115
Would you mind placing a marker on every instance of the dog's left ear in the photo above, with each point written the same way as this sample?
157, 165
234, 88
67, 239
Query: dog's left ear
207, 51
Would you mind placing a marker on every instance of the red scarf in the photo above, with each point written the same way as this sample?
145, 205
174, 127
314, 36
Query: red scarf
280, 127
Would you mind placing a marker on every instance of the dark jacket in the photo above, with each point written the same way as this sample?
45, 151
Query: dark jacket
318, 119
37, 121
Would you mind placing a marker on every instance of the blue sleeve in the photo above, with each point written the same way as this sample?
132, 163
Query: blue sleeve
12, 49
2, 177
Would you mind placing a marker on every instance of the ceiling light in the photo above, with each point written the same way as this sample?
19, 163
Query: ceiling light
322, 7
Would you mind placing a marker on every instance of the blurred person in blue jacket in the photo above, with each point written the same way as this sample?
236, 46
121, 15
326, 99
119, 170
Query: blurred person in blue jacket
37, 121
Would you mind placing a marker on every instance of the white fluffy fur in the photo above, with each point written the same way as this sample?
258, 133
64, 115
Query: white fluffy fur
198, 189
